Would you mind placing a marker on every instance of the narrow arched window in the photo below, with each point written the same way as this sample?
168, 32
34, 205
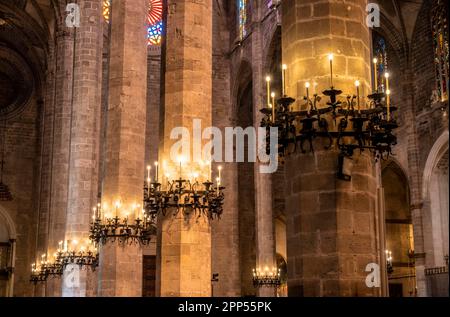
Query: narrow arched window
439, 25
242, 18
154, 20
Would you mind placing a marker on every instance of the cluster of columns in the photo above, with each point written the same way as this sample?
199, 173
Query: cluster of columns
332, 226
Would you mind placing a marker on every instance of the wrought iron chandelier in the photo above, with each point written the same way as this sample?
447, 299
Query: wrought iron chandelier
83, 257
40, 272
267, 277
108, 227
183, 195
342, 121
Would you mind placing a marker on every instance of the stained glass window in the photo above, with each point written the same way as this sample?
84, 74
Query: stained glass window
242, 16
380, 53
441, 51
155, 23
154, 19
106, 9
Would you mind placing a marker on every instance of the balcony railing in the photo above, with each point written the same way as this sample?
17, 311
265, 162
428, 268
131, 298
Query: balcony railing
437, 281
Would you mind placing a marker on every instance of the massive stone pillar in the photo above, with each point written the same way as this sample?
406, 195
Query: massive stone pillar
84, 136
120, 271
331, 223
186, 241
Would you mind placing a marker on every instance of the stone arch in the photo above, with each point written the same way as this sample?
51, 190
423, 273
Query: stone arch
436, 152
243, 76
273, 59
399, 230
435, 202
9, 223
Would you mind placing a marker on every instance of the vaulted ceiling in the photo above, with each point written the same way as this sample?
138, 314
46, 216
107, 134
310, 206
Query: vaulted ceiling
26, 32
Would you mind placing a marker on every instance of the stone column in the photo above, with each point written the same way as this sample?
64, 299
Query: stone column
120, 271
186, 242
331, 224
264, 222
58, 124
84, 136
225, 233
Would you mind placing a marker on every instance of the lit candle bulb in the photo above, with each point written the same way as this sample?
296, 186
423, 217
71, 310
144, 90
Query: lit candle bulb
180, 160
148, 171
307, 85
357, 94
375, 73
330, 58
388, 104
388, 96
273, 106
268, 90
218, 184
284, 67
220, 171
156, 172
117, 208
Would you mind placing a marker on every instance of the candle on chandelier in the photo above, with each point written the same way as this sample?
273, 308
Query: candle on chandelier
117, 208
156, 172
357, 83
330, 58
284, 67
218, 184
388, 96
273, 106
307, 85
220, 172
180, 160
268, 90
388, 104
375, 73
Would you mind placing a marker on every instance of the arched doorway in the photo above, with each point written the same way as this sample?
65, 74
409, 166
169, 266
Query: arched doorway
399, 232
435, 193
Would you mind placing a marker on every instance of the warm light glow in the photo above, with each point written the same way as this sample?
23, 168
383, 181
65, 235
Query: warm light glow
375, 60
148, 167
330, 57
268, 79
307, 84
117, 204
156, 163
386, 75
284, 66
357, 83
388, 92
272, 95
